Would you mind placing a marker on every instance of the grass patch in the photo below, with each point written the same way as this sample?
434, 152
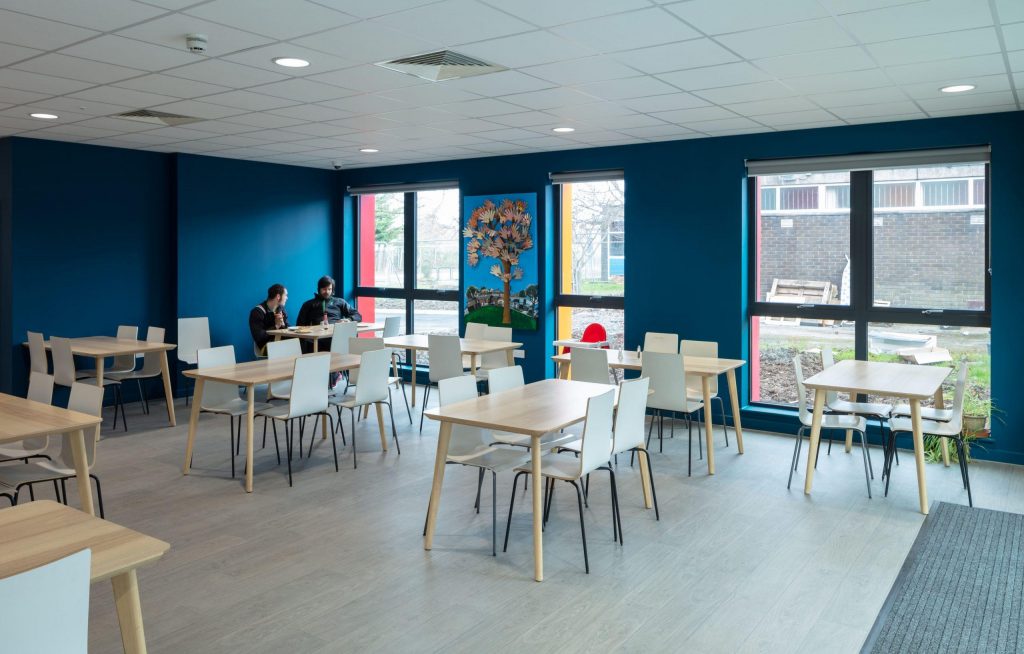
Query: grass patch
597, 287
491, 316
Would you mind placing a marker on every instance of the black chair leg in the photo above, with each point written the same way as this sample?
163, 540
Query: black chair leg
479, 485
99, 494
334, 444
56, 491
352, 412
583, 528
494, 514
288, 429
394, 432
426, 396
689, 453
654, 493
401, 387
277, 449
511, 503
63, 491
232, 448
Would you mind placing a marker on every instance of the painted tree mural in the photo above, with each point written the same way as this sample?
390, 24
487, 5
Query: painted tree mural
500, 232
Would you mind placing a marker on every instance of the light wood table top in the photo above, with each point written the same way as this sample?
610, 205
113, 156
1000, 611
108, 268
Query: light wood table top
878, 378
704, 366
109, 346
21, 418
468, 345
316, 332
265, 370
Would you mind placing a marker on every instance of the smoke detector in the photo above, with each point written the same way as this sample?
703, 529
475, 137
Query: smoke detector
196, 43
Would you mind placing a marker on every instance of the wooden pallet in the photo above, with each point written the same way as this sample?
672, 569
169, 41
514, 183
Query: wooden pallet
798, 291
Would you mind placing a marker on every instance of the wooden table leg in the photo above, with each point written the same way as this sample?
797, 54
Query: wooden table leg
380, 426
922, 481
165, 372
193, 421
734, 399
812, 447
940, 403
510, 357
316, 345
538, 512
412, 366
99, 384
849, 441
563, 370
472, 364
709, 435
77, 438
645, 478
443, 437
250, 414
323, 426
129, 612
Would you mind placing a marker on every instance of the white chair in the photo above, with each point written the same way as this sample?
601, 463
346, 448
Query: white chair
37, 353
308, 397
952, 429
64, 374
694, 387
372, 387
594, 454
357, 346
285, 348
470, 447
878, 410
122, 362
85, 398
661, 342
193, 335
343, 331
445, 354
492, 360
393, 327
151, 366
831, 423
223, 399
589, 365
938, 414
508, 378
46, 609
40, 389
667, 373
474, 330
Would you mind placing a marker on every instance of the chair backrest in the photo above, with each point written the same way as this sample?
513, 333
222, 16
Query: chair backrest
464, 439
40, 387
661, 342
504, 379
958, 396
37, 352
491, 360
373, 376
589, 365
801, 392
286, 347
151, 360
88, 399
392, 326
668, 380
445, 354
309, 385
343, 331
63, 361
358, 346
46, 609
629, 416
592, 333
193, 335
126, 361
217, 393
475, 330
827, 361
707, 349
597, 432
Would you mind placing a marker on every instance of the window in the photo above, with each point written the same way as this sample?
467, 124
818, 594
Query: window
893, 263
592, 253
408, 256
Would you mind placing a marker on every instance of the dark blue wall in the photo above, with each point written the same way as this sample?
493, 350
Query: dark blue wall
5, 265
686, 234
243, 226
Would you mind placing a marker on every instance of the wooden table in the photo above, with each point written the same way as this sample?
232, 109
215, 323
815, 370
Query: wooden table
21, 419
41, 532
250, 375
915, 383
316, 332
535, 410
706, 367
101, 347
471, 346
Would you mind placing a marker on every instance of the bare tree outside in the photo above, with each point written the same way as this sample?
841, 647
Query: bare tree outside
598, 210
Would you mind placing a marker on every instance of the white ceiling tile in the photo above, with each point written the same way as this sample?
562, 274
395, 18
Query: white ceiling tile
236, 141
280, 19
547, 99
1010, 11
371, 8
591, 111
1014, 36
46, 84
104, 16
805, 36
865, 96
24, 111
368, 79
117, 95
835, 60
632, 87
248, 100
736, 132
319, 62
271, 136
220, 126
905, 107
919, 19
12, 53
546, 142
322, 130
170, 31
453, 22
180, 133
622, 122
580, 71
938, 46
745, 93
656, 131
485, 107
668, 102
59, 104
81, 130
1016, 60
983, 85
198, 109
57, 136
548, 14
32, 32
524, 119
777, 106
311, 112
117, 124
848, 81
636, 29
811, 116
849, 6
177, 87
226, 73
676, 56
419, 116
971, 111
686, 116
528, 49
84, 70
740, 72
24, 123
966, 101
366, 104
508, 134
428, 94
367, 42
964, 67
142, 138
366, 123
19, 96
119, 50
501, 83
302, 90
285, 146
711, 17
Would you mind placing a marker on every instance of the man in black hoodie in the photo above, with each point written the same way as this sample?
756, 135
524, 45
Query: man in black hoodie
268, 314
324, 302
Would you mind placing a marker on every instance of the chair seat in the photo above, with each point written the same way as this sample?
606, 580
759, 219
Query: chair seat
237, 407
497, 459
927, 413
862, 408
697, 394
691, 406
559, 466
14, 475
278, 412
842, 421
132, 374
107, 381
107, 372
14, 453
932, 427
547, 440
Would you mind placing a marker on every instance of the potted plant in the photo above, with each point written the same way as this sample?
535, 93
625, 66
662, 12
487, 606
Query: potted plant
976, 414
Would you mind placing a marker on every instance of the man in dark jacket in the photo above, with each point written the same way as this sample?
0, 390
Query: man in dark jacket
324, 302
268, 314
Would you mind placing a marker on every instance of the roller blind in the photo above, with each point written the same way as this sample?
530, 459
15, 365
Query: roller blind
404, 187
873, 161
584, 176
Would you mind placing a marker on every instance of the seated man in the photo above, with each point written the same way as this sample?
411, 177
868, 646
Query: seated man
268, 314
324, 303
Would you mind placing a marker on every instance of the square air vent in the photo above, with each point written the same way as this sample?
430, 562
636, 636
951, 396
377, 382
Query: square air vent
441, 65
158, 118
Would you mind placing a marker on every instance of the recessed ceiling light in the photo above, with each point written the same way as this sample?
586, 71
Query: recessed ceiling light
291, 62
563, 130
45, 116
369, 150
957, 88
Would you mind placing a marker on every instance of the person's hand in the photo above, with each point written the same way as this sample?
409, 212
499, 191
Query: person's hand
279, 320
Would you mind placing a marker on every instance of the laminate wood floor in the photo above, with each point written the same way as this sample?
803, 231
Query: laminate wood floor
738, 563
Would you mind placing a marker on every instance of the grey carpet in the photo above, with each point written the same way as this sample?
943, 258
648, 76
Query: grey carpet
960, 589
